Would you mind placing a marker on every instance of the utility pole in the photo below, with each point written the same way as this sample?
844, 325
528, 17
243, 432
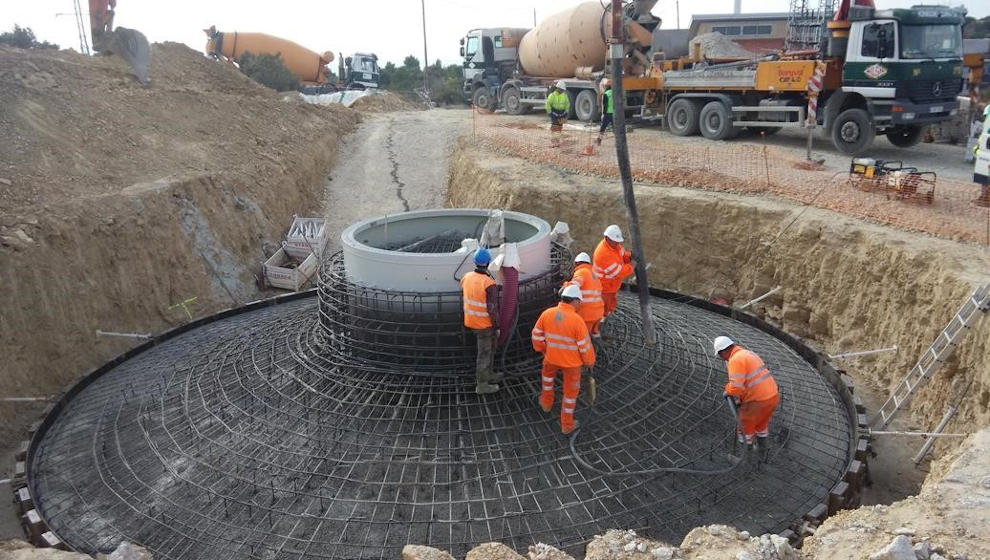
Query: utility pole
534, 17
426, 59
616, 53
677, 5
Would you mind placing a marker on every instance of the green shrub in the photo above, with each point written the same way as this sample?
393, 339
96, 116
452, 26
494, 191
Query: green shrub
23, 38
268, 70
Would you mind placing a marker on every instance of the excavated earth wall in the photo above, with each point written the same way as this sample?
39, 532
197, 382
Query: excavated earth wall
118, 202
847, 285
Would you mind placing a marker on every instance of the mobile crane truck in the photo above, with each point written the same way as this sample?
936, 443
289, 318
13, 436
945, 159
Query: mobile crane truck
886, 72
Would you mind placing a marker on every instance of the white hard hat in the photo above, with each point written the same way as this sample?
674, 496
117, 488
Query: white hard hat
560, 84
722, 342
583, 258
614, 233
571, 291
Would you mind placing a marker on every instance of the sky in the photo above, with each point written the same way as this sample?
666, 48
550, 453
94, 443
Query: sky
392, 29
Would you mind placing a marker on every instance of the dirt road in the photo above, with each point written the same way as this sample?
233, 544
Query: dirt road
393, 163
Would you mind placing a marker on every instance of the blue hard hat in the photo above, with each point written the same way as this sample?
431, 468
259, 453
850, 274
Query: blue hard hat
482, 257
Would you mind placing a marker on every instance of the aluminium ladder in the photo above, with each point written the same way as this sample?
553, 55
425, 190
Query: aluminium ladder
945, 343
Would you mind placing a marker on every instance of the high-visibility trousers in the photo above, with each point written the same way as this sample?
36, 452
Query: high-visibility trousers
754, 417
611, 300
593, 326
572, 386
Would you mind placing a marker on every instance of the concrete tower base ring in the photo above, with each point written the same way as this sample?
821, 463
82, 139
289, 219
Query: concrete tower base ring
258, 433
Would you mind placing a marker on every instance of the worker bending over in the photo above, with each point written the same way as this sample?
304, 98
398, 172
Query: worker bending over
607, 111
592, 306
558, 105
480, 296
612, 264
754, 390
562, 337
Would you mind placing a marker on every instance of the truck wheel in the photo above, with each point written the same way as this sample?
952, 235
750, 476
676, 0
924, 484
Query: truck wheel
852, 131
586, 105
682, 117
905, 136
715, 122
483, 99
512, 101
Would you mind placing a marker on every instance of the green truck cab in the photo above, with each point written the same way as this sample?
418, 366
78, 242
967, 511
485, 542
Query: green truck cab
902, 69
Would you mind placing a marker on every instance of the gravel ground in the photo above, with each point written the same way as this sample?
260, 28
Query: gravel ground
777, 167
393, 163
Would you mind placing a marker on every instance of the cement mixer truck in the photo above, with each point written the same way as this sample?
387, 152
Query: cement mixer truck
512, 68
358, 71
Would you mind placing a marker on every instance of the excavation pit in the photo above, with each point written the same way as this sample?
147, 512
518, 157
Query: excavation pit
274, 431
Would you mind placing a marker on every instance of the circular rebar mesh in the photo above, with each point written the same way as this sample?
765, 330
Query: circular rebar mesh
422, 333
248, 437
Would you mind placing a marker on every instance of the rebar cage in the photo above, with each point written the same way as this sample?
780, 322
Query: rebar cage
423, 333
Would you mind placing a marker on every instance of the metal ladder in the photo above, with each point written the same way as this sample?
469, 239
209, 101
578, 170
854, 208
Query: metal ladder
944, 344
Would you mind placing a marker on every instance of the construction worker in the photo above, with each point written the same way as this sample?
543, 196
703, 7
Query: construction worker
480, 296
558, 105
561, 335
612, 265
753, 389
607, 111
592, 306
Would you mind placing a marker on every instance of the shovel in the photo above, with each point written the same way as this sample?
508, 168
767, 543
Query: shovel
592, 393
733, 457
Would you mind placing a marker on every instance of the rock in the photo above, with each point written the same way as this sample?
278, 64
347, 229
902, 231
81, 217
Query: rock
899, 549
743, 535
783, 548
715, 530
904, 531
492, 551
923, 551
641, 547
419, 552
130, 551
630, 546
663, 553
543, 551
936, 556
744, 556
7, 182
16, 239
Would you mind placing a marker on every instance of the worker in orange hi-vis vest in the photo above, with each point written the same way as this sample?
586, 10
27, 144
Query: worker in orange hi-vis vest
479, 292
612, 264
592, 306
561, 335
754, 390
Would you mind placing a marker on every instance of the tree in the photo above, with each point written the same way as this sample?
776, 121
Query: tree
23, 38
268, 70
976, 28
444, 82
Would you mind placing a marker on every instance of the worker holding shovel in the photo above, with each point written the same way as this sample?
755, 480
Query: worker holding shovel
753, 390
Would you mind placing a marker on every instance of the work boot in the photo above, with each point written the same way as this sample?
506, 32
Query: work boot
598, 140
574, 427
486, 388
545, 408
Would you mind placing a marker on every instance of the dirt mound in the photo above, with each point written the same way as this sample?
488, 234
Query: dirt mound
118, 202
77, 126
716, 45
385, 102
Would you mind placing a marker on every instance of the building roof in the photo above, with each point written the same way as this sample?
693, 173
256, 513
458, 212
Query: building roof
738, 17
